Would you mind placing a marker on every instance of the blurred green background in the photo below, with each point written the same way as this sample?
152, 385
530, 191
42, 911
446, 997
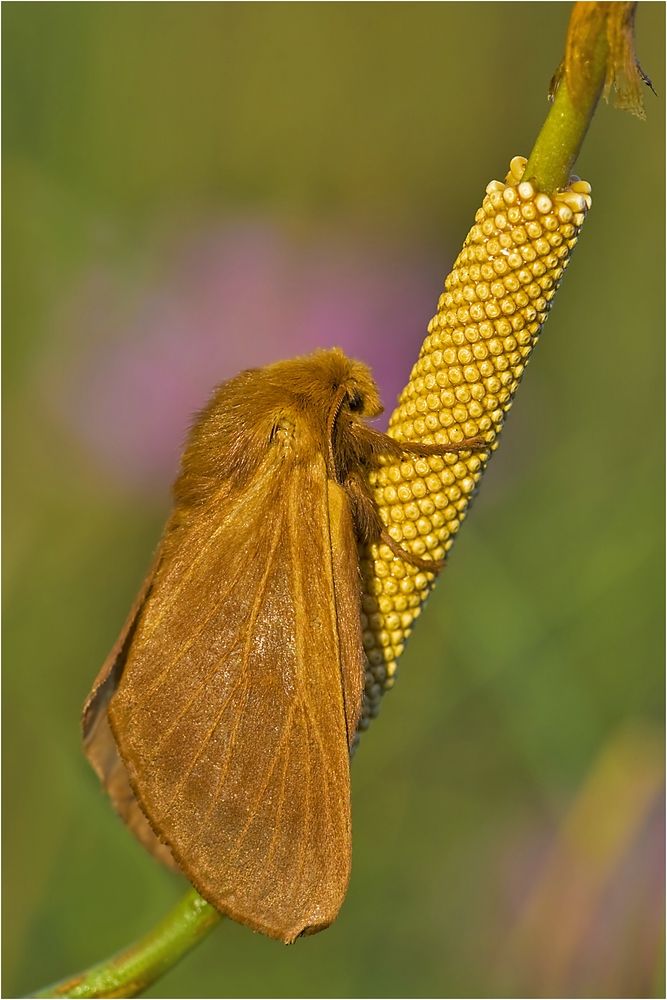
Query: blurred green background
192, 188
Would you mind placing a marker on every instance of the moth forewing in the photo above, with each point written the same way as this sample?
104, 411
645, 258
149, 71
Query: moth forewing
235, 690
230, 713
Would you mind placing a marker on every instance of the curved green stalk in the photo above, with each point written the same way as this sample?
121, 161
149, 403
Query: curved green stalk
132, 971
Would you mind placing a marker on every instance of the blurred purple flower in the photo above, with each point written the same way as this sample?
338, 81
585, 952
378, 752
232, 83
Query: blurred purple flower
239, 297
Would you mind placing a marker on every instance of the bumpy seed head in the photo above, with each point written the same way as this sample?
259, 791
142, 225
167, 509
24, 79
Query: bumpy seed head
489, 317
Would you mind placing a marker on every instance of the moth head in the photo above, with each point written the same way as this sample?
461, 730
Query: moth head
363, 403
318, 381
362, 398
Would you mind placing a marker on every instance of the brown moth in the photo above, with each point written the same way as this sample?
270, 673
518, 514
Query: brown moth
221, 722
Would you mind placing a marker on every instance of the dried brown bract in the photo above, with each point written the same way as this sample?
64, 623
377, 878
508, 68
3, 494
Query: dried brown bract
611, 24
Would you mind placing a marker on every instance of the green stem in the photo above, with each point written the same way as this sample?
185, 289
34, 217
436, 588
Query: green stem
130, 972
558, 144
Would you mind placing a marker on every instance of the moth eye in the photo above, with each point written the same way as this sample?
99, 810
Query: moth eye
356, 401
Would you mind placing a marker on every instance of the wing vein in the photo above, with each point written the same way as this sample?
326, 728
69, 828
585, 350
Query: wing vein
243, 502
304, 840
202, 748
257, 603
242, 672
323, 757
259, 797
188, 644
279, 811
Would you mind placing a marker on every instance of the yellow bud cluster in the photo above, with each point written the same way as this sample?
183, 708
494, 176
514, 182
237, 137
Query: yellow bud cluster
495, 303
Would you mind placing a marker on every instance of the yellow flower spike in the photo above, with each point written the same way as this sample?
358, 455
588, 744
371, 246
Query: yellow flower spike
495, 303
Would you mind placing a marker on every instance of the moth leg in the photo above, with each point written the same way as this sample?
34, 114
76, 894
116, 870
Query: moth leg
468, 444
371, 527
428, 565
376, 443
